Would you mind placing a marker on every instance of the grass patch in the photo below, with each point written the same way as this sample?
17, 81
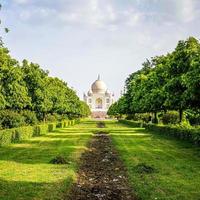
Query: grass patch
159, 167
143, 168
25, 171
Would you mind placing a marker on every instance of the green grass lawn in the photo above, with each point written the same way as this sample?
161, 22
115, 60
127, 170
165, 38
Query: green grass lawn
25, 172
176, 164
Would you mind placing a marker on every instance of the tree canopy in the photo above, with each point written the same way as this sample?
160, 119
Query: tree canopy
27, 86
167, 82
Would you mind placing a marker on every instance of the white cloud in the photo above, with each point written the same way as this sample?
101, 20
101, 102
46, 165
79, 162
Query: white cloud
186, 10
98, 14
21, 1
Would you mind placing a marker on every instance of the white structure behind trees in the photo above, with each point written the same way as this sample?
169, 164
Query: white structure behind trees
99, 99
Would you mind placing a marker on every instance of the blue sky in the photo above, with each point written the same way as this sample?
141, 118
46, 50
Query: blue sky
78, 39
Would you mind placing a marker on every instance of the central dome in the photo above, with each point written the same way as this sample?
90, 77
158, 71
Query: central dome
99, 86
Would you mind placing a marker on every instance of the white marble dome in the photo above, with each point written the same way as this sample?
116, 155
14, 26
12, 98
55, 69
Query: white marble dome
99, 86
99, 99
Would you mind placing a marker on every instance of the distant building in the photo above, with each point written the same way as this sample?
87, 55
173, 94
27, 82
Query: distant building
99, 99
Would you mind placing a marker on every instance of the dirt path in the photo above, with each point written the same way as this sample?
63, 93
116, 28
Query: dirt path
101, 175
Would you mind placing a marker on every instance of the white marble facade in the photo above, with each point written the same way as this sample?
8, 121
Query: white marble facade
98, 98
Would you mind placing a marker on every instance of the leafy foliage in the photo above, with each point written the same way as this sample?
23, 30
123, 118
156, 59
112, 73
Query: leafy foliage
171, 117
11, 119
167, 82
29, 94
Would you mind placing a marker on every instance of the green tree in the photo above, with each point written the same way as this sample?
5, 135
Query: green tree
13, 89
183, 63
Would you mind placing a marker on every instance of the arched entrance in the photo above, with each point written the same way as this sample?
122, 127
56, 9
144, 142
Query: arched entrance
99, 103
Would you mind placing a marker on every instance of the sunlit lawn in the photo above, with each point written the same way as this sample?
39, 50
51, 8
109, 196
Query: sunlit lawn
26, 174
176, 164
25, 171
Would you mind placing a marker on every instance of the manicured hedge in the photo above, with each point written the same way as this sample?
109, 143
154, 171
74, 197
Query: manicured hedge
7, 136
131, 123
23, 133
51, 127
42, 129
189, 134
13, 135
66, 123
60, 125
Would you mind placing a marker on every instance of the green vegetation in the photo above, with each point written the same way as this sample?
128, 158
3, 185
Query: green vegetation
165, 91
189, 134
16, 135
159, 167
25, 169
28, 95
167, 82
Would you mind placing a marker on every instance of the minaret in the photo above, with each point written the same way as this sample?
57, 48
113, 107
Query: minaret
98, 77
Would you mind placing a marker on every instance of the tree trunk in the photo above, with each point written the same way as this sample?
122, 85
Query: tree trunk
180, 115
44, 117
155, 118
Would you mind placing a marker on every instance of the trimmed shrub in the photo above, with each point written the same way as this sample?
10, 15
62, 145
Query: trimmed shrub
51, 127
60, 125
23, 133
72, 122
6, 136
171, 117
40, 129
30, 117
131, 123
11, 119
188, 134
66, 123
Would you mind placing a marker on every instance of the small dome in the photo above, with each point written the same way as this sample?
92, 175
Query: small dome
108, 93
89, 93
99, 86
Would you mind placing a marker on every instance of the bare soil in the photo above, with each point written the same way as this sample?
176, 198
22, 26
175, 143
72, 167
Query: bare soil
102, 175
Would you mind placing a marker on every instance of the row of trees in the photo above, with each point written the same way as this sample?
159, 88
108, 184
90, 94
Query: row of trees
26, 86
167, 82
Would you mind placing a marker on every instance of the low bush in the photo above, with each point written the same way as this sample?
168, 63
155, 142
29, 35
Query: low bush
145, 117
131, 123
11, 119
23, 133
40, 129
66, 123
171, 117
184, 133
6, 136
30, 117
9, 136
51, 127
60, 125
180, 131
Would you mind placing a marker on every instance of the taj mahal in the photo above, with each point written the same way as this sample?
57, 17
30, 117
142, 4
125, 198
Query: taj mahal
99, 99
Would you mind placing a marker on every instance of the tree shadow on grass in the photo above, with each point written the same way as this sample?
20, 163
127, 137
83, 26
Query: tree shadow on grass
38, 151
14, 190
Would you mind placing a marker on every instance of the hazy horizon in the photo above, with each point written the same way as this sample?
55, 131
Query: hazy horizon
78, 39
